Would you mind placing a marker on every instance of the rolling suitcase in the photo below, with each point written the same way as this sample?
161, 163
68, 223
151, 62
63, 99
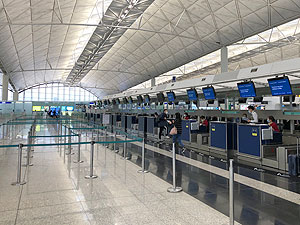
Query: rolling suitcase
293, 165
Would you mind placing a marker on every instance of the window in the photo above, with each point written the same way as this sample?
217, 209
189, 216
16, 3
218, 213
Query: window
56, 92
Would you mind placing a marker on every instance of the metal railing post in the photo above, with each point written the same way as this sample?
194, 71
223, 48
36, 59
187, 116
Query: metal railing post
174, 189
28, 151
19, 167
115, 144
231, 198
91, 176
124, 147
78, 153
105, 136
143, 158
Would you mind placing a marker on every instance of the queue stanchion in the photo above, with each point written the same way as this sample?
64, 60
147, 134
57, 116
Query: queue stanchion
174, 188
115, 144
143, 158
124, 147
231, 195
19, 167
105, 136
91, 176
79, 153
28, 151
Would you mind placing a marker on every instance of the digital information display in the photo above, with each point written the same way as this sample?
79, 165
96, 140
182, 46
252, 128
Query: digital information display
192, 94
147, 98
130, 100
280, 86
209, 93
160, 97
140, 99
171, 96
247, 89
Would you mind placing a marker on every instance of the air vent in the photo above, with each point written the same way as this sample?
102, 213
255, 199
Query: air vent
254, 70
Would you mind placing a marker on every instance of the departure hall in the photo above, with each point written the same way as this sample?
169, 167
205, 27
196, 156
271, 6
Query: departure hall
149, 112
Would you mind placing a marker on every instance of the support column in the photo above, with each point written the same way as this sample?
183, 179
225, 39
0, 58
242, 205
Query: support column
4, 87
152, 82
16, 96
224, 59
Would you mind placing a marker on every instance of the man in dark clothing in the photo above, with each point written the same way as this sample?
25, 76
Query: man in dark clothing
177, 137
162, 122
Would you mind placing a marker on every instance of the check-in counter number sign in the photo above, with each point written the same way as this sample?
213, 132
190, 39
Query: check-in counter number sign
254, 133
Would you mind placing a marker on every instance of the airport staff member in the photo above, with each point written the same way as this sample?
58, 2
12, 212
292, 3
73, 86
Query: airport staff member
253, 113
203, 121
272, 123
186, 116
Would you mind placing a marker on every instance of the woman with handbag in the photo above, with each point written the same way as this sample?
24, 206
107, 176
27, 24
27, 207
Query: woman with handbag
176, 131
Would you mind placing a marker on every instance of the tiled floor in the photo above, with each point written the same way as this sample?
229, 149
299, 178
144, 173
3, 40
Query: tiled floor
57, 192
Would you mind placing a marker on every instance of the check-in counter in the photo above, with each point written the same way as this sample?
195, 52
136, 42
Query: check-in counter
152, 128
258, 144
124, 123
223, 141
131, 121
116, 118
142, 125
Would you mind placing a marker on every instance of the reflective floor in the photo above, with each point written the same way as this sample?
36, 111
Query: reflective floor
56, 191
253, 206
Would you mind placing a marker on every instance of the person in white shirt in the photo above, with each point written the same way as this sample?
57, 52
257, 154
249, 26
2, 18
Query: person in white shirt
253, 113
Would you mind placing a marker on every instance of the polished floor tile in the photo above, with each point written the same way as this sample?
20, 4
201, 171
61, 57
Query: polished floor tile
57, 192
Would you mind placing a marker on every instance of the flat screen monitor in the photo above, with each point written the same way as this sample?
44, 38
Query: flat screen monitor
209, 93
118, 101
147, 98
160, 97
125, 101
247, 89
108, 101
280, 86
171, 96
192, 94
105, 102
140, 99
130, 100
114, 101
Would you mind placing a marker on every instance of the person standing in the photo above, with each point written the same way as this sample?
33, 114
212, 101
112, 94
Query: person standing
273, 124
253, 113
162, 123
177, 137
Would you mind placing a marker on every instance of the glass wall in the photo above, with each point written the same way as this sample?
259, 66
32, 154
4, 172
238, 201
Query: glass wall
56, 92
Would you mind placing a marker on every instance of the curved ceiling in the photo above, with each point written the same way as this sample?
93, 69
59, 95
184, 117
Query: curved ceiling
169, 33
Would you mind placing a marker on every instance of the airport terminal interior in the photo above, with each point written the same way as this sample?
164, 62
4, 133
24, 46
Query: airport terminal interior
150, 112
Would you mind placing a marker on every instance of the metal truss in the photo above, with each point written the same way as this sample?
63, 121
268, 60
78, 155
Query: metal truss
119, 13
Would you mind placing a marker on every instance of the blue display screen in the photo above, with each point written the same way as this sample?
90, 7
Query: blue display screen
147, 98
280, 86
171, 96
247, 90
209, 93
192, 94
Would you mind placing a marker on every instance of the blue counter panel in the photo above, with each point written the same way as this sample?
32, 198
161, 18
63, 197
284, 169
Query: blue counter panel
249, 140
150, 125
218, 135
124, 122
185, 136
131, 120
143, 124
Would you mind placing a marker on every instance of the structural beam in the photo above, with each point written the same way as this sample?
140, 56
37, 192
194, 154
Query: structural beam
224, 59
4, 87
